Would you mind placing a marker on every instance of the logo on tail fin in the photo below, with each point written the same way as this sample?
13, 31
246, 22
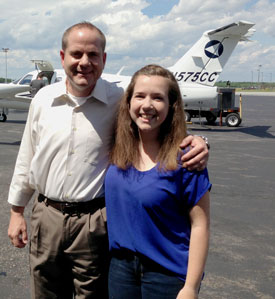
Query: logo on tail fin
213, 49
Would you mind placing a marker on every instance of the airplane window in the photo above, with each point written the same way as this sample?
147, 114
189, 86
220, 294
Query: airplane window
26, 80
15, 81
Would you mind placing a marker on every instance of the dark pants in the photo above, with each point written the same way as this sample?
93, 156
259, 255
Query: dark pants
135, 277
68, 254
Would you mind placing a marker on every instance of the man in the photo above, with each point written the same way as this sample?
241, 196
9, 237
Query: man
37, 84
63, 157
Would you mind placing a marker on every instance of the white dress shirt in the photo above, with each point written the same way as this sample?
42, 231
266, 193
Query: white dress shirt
64, 150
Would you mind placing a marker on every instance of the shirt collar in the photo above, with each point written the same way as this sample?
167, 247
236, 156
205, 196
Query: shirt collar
99, 92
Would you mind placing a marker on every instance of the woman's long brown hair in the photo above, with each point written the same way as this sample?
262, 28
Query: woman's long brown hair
125, 149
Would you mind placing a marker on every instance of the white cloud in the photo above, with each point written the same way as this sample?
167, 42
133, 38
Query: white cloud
33, 29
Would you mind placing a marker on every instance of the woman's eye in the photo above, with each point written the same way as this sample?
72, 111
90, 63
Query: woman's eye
139, 97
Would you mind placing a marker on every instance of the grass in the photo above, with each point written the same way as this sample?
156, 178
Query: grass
249, 86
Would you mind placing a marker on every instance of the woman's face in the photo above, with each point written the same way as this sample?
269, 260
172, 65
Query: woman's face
149, 104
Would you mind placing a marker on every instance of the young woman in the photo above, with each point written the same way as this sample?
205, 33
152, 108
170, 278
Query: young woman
158, 212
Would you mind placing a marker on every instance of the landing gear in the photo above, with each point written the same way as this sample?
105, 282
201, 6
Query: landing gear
3, 117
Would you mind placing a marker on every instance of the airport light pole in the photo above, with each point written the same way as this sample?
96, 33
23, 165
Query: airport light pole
5, 50
259, 69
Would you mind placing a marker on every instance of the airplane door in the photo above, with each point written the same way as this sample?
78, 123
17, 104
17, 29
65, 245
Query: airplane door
43, 65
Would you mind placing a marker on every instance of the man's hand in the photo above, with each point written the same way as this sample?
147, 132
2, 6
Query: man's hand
17, 231
197, 155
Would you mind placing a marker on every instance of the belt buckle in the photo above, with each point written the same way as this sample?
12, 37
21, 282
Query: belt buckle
70, 208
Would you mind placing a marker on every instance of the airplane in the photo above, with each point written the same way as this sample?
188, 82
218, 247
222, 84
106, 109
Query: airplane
196, 71
16, 95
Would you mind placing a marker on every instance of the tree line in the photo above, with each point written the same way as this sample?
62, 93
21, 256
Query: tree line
3, 80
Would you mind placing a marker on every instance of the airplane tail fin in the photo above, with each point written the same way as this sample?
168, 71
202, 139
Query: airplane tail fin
204, 62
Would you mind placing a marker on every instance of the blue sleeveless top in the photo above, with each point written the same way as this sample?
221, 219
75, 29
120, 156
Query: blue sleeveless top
148, 212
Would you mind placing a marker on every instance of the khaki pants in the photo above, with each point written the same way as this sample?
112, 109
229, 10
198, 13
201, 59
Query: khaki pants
68, 254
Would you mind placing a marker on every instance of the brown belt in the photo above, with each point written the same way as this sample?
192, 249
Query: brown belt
74, 208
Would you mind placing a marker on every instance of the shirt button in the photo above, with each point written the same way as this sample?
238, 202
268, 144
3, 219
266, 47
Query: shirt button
69, 174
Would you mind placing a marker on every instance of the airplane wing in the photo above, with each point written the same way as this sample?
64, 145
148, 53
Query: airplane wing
8, 91
240, 29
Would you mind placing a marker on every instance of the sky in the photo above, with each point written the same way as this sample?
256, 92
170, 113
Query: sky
138, 32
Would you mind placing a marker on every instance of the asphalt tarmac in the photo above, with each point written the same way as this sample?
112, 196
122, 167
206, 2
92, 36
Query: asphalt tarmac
241, 261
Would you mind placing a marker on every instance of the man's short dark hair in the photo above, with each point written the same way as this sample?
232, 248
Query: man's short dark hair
40, 75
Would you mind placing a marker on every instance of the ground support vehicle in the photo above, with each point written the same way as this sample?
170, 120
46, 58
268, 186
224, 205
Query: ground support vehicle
222, 106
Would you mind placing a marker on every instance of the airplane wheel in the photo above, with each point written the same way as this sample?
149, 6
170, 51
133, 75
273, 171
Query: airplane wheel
233, 120
187, 116
3, 117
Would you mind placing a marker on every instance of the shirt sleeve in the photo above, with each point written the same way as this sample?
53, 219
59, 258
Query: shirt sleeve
20, 191
196, 184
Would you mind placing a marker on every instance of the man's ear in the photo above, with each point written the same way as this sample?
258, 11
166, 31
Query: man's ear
62, 55
104, 58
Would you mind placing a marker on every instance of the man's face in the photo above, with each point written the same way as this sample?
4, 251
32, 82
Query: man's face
83, 61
